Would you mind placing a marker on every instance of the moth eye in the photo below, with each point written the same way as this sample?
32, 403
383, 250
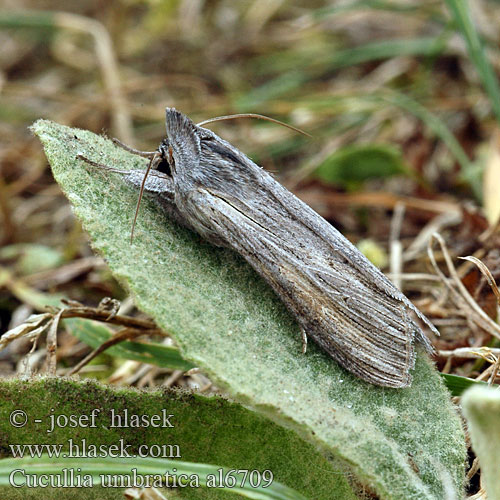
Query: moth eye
164, 167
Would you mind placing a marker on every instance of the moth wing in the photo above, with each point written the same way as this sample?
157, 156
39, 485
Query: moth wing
350, 253
329, 298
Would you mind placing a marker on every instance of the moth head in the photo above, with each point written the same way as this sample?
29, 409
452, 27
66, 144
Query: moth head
162, 163
165, 162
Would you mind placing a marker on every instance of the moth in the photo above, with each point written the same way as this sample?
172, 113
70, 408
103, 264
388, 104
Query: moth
340, 300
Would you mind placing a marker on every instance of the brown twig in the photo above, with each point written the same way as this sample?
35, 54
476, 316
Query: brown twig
104, 316
51, 364
125, 334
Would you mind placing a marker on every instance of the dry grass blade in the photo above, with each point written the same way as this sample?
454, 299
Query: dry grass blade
439, 222
489, 354
107, 60
32, 327
35, 325
396, 247
375, 199
486, 273
486, 235
494, 372
52, 344
459, 292
64, 273
473, 469
143, 494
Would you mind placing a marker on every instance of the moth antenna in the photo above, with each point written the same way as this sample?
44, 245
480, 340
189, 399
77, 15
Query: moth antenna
253, 115
144, 154
141, 192
79, 156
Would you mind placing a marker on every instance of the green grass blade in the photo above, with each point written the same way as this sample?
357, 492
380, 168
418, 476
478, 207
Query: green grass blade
345, 103
314, 65
27, 19
457, 384
94, 334
323, 12
431, 120
463, 19
100, 468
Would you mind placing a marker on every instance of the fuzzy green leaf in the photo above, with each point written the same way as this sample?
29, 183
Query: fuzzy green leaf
482, 408
400, 443
205, 431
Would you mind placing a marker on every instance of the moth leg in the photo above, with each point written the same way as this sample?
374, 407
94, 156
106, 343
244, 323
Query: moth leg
304, 340
144, 154
100, 165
